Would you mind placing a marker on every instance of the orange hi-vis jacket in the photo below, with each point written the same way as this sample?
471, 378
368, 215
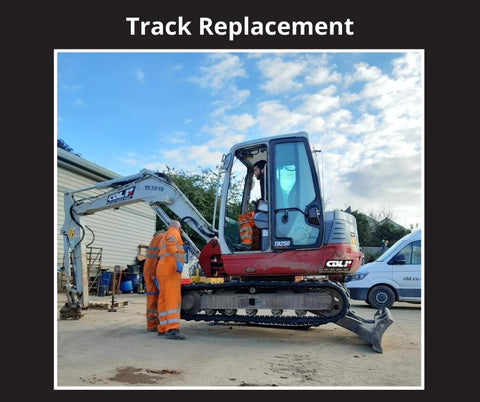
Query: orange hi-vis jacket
149, 276
249, 233
169, 280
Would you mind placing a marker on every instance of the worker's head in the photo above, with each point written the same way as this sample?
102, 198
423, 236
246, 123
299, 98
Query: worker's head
259, 168
175, 224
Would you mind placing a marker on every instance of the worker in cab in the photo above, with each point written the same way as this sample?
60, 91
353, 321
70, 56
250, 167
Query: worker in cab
259, 172
248, 232
169, 277
151, 284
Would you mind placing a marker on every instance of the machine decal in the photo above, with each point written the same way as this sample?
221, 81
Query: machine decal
282, 243
121, 196
337, 265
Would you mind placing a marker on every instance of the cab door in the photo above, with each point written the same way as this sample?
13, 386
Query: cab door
296, 206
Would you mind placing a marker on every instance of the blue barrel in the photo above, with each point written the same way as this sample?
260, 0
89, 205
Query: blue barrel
135, 278
126, 286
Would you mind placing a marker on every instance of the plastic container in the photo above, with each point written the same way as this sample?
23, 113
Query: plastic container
135, 278
126, 286
105, 283
105, 279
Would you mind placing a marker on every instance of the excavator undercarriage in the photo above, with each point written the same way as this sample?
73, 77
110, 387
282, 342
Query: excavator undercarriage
281, 304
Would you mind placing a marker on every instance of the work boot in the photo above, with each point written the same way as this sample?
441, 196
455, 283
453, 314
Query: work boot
175, 334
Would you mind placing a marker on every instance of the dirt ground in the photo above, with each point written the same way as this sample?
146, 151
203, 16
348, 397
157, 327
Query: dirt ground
112, 350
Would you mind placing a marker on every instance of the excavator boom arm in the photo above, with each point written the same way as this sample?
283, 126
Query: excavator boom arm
147, 186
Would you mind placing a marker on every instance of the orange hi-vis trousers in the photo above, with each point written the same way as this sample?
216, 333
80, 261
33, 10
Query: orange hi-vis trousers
149, 276
170, 281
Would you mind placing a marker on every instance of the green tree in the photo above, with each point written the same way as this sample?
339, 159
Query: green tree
386, 230
200, 189
363, 228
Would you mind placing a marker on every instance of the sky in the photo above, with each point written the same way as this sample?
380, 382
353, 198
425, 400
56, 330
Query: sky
363, 109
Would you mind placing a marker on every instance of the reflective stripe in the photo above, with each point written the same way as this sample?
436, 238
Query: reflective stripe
164, 313
166, 255
169, 321
172, 238
162, 256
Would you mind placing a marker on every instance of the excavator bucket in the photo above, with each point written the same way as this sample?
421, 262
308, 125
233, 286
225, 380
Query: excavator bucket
70, 310
369, 330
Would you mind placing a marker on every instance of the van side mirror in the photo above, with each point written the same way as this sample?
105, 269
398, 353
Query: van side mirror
398, 259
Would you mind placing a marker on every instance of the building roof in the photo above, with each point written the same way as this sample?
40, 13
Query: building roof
77, 164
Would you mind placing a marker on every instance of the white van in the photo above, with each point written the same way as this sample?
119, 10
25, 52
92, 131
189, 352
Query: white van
394, 276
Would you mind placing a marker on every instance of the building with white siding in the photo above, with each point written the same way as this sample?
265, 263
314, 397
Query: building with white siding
116, 233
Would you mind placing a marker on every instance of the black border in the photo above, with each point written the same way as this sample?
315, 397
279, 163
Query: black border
34, 31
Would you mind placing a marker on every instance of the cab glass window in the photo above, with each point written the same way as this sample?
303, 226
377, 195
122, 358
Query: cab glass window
294, 189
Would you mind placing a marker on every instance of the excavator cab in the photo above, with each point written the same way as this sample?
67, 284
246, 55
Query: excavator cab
284, 233
289, 216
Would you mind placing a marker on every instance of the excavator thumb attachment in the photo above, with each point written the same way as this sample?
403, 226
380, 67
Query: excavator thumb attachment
369, 330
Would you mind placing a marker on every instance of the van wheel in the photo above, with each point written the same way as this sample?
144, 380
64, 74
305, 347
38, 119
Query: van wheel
381, 296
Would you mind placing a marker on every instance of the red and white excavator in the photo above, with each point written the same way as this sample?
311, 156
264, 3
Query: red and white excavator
292, 275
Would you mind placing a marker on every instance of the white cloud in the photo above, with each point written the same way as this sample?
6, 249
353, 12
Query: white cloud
232, 98
280, 75
240, 122
408, 65
363, 72
322, 75
221, 70
320, 102
139, 75
315, 125
275, 118
79, 102
372, 154
222, 137
177, 137
129, 161
70, 88
188, 158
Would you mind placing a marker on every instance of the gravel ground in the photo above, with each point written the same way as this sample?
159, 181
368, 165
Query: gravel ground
111, 350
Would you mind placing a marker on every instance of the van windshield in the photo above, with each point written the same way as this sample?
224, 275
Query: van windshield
390, 252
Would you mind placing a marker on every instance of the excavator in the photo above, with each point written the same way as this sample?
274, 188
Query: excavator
291, 275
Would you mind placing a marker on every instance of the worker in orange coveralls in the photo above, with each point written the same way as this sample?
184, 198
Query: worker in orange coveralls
169, 277
149, 276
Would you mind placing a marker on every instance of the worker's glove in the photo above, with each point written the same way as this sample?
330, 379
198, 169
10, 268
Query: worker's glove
179, 267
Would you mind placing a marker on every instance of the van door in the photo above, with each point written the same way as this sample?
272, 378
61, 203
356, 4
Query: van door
406, 265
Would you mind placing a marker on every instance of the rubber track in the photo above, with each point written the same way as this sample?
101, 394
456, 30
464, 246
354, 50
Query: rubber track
281, 321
